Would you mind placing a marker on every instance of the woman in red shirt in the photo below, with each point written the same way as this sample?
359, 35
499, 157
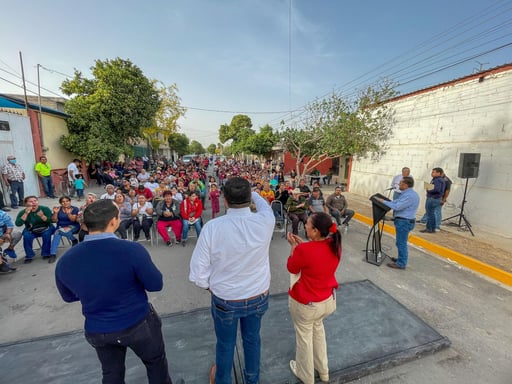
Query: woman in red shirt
313, 297
191, 211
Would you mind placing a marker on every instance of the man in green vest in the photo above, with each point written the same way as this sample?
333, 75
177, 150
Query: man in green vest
44, 169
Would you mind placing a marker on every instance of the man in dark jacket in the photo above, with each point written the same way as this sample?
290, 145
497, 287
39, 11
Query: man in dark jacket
110, 277
435, 192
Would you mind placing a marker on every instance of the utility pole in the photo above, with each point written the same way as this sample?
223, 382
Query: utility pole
40, 108
23, 79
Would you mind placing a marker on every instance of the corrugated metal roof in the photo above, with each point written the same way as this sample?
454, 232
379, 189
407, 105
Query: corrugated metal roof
15, 103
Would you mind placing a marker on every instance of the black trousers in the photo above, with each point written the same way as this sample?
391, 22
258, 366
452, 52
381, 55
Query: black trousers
144, 339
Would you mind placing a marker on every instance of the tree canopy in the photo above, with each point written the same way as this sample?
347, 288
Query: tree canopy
179, 142
108, 111
262, 142
196, 147
239, 130
165, 122
212, 148
336, 126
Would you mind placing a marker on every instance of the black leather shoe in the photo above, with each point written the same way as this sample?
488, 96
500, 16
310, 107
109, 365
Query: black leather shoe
394, 266
52, 259
27, 261
394, 259
426, 231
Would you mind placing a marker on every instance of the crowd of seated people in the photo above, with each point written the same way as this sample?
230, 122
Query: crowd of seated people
172, 196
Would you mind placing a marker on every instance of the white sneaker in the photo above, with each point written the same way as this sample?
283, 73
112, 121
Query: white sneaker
293, 367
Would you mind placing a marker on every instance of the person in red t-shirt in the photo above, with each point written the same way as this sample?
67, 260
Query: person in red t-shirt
191, 211
313, 295
142, 190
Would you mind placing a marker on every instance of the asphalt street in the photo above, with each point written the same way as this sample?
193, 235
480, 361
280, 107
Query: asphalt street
473, 312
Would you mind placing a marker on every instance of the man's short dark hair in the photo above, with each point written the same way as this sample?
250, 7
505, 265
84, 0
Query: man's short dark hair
98, 214
438, 170
237, 192
408, 180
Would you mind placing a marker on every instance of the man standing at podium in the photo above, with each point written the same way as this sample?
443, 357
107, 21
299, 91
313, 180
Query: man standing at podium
404, 214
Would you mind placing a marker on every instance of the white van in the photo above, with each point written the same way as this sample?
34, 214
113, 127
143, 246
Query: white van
187, 158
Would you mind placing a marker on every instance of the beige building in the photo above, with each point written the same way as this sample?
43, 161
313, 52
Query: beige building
22, 135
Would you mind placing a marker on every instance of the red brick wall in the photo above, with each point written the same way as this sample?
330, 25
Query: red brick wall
289, 164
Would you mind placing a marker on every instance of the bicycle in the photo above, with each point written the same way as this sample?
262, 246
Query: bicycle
63, 188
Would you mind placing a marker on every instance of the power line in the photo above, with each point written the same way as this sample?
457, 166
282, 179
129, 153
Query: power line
30, 82
237, 112
8, 66
10, 82
55, 71
497, 9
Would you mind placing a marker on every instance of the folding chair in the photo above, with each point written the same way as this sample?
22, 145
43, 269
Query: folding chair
280, 215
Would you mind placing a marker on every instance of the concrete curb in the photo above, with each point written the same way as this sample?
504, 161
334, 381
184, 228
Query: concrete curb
466, 261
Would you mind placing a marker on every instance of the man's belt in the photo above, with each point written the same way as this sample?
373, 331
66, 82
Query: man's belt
261, 295
403, 218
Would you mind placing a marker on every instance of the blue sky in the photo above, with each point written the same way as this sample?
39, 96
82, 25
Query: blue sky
235, 55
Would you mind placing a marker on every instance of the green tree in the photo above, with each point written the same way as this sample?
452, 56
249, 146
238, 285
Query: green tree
211, 148
196, 147
165, 122
179, 142
239, 131
108, 111
335, 127
262, 142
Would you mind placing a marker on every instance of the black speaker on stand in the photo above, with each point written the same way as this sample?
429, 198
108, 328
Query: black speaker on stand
469, 165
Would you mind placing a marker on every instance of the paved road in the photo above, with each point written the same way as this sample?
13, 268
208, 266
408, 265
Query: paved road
472, 312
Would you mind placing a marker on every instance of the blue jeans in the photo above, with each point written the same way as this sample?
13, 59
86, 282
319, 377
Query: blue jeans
439, 218
402, 227
186, 227
348, 216
17, 188
58, 235
47, 183
433, 208
28, 239
225, 315
144, 339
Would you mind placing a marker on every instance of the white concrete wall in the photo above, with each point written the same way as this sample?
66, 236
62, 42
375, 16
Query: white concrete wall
432, 130
18, 142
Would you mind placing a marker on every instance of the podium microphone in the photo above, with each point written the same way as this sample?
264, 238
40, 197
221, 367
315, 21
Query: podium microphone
389, 189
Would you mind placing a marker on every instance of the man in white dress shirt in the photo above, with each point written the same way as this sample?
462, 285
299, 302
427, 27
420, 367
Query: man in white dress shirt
395, 183
231, 260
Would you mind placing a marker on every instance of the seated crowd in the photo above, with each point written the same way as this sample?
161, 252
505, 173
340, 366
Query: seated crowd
173, 196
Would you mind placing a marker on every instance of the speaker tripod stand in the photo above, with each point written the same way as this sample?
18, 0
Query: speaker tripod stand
461, 215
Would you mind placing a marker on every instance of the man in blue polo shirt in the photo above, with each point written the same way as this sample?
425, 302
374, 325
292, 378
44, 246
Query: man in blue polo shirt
404, 214
110, 277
